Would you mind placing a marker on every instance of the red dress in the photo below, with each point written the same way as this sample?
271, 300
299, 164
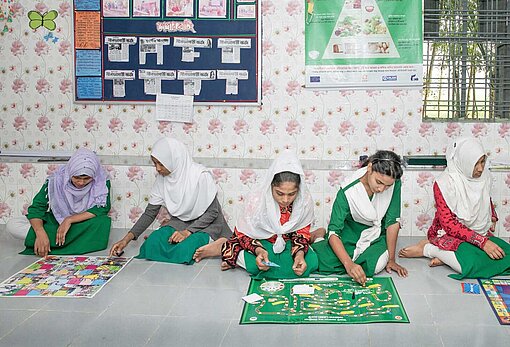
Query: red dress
300, 240
446, 222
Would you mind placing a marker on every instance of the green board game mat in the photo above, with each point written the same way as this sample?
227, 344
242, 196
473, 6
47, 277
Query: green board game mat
335, 300
497, 292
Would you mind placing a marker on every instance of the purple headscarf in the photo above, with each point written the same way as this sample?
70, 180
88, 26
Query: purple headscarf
66, 199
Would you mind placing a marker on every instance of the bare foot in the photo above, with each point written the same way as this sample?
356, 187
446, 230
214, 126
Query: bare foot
212, 249
225, 266
314, 235
414, 251
435, 262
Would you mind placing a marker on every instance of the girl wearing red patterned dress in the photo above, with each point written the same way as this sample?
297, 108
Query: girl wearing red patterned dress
272, 233
461, 233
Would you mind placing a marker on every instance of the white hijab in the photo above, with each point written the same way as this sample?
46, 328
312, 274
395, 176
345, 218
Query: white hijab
467, 197
366, 211
189, 189
259, 215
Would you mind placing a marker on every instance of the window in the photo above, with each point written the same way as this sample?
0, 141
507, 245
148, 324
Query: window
466, 60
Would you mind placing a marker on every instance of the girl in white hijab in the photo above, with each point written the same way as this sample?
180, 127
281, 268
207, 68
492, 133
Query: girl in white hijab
272, 233
188, 192
365, 221
461, 232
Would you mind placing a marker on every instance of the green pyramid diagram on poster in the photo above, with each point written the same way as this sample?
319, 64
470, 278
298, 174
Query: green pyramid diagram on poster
360, 32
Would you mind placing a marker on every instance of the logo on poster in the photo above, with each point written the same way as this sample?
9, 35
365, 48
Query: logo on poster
389, 78
414, 78
316, 79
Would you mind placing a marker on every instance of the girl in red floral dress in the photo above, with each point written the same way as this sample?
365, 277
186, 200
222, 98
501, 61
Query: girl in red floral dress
461, 233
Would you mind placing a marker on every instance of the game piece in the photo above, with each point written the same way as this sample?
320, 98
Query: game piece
470, 288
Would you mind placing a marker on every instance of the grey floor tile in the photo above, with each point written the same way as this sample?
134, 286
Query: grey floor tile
404, 335
466, 309
10, 319
454, 335
175, 275
118, 330
48, 329
417, 309
145, 300
190, 331
209, 303
266, 335
215, 278
333, 335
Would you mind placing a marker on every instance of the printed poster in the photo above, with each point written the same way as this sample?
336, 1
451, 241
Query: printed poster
363, 43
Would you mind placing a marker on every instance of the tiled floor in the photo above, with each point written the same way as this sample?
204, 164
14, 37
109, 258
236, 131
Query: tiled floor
156, 304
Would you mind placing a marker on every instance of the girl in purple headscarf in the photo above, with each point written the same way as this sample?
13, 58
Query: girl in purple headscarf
69, 215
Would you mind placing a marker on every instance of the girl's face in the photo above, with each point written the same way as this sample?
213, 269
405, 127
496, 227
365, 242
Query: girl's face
81, 181
160, 168
479, 167
378, 182
285, 193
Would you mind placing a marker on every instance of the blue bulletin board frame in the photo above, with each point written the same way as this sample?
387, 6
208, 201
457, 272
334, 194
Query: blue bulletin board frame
122, 55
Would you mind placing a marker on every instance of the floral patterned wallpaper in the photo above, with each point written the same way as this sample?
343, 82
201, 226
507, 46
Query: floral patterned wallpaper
37, 113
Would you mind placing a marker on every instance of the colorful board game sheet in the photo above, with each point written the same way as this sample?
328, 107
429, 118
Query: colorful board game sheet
497, 292
324, 300
63, 276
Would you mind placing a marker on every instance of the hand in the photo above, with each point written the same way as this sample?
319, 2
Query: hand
118, 247
299, 266
356, 272
262, 256
492, 228
42, 245
493, 250
392, 265
62, 230
179, 236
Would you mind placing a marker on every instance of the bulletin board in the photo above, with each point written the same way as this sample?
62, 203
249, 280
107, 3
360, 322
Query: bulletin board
128, 51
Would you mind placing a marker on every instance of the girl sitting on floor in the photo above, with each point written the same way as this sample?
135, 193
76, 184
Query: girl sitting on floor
273, 225
187, 190
364, 225
69, 215
461, 233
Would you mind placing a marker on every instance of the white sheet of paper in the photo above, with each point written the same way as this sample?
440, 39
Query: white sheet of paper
152, 86
174, 108
231, 55
231, 86
303, 289
252, 298
118, 52
119, 89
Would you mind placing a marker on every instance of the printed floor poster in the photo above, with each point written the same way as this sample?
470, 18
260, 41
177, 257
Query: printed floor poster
497, 292
363, 43
63, 277
324, 300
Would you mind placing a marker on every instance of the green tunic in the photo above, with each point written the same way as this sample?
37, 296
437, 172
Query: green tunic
87, 236
157, 247
284, 259
475, 263
350, 231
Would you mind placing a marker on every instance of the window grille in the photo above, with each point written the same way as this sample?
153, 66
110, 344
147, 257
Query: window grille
466, 60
